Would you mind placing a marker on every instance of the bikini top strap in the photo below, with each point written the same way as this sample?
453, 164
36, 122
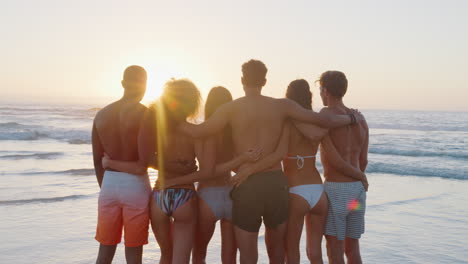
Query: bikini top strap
300, 160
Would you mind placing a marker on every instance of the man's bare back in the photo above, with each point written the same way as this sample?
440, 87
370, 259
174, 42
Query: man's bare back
351, 142
117, 125
115, 131
257, 121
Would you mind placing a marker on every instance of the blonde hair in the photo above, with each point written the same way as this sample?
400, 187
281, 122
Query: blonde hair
181, 96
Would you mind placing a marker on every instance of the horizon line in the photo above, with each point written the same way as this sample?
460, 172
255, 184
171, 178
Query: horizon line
101, 101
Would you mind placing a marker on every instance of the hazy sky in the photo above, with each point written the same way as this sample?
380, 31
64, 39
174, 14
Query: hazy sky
397, 54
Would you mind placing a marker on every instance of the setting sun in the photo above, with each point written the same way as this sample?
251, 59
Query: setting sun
159, 74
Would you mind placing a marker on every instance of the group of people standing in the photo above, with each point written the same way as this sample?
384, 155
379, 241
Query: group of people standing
270, 144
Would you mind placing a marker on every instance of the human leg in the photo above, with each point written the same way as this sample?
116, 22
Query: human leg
134, 255
315, 228
275, 214
355, 228
135, 213
335, 250
185, 219
110, 223
228, 242
204, 231
353, 255
275, 242
162, 229
106, 254
298, 207
248, 245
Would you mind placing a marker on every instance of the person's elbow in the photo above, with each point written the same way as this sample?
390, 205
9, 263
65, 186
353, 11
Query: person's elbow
363, 164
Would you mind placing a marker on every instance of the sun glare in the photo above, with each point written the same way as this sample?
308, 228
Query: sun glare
156, 80
157, 77
161, 69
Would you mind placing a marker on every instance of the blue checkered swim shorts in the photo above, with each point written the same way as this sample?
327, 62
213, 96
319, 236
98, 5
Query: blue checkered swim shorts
346, 209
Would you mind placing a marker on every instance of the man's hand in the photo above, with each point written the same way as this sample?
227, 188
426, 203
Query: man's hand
365, 183
358, 115
242, 175
252, 155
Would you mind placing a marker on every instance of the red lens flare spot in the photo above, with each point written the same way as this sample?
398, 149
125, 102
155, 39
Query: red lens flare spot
354, 205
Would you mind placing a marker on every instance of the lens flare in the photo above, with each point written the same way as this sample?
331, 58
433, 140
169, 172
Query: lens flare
354, 205
173, 105
161, 135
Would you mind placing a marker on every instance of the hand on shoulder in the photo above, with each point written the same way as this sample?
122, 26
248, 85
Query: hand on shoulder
359, 116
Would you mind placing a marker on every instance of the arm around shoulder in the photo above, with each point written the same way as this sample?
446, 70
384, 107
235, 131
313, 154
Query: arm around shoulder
310, 131
209, 127
326, 120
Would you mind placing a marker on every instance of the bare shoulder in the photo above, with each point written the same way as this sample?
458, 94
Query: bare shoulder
117, 107
283, 101
230, 106
141, 107
326, 110
363, 124
106, 110
234, 102
237, 101
150, 111
140, 110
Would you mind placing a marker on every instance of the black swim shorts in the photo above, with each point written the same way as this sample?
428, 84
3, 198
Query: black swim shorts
264, 194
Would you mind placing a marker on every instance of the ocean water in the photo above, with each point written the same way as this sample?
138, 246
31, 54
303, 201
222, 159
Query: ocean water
417, 212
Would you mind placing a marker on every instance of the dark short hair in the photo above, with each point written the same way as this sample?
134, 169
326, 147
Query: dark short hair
134, 74
335, 82
254, 73
299, 91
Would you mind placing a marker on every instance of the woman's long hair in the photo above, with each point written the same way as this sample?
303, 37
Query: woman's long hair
217, 97
180, 100
299, 91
